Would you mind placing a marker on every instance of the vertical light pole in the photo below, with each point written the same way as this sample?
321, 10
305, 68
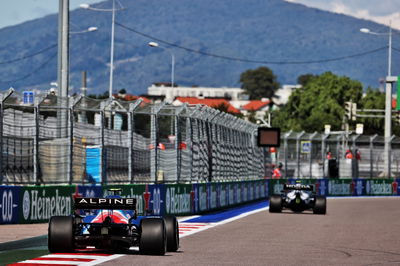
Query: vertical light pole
86, 6
388, 100
63, 65
110, 88
154, 44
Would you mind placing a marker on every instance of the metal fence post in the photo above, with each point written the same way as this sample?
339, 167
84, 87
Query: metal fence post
1, 143
390, 156
311, 150
178, 140
130, 145
323, 151
338, 150
285, 151
131, 130
191, 147
103, 173
154, 141
298, 137
71, 144
371, 148
36, 166
4, 98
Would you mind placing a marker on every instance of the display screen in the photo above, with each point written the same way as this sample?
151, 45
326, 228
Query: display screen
269, 137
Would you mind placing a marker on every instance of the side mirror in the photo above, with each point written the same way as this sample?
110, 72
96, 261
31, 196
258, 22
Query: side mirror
269, 137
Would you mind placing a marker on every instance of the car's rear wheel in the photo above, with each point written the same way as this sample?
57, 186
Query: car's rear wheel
320, 205
153, 240
275, 203
171, 224
61, 234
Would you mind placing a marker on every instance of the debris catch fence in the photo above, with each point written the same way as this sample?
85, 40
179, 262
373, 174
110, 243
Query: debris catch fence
86, 140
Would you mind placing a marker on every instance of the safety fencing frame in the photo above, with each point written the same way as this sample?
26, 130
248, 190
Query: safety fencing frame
127, 140
304, 155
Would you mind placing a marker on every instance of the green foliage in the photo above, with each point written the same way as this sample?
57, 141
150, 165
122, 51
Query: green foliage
259, 83
105, 95
319, 102
373, 100
223, 107
304, 79
252, 116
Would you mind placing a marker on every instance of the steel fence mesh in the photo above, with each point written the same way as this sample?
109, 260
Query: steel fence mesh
84, 140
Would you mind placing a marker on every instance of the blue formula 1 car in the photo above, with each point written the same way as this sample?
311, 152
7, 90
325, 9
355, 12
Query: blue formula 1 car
113, 224
298, 198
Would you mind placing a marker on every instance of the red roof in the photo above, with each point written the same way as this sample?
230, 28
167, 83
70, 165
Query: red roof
255, 105
209, 102
129, 97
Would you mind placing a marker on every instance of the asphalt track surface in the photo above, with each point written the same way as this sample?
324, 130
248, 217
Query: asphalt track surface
355, 231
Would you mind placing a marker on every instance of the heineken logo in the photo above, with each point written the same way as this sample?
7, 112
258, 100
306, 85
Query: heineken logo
36, 205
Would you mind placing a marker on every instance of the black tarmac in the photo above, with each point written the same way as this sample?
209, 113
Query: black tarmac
358, 231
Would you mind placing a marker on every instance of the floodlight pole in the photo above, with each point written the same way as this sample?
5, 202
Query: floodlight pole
63, 64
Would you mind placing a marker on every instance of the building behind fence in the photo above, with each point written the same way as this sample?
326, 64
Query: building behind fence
84, 140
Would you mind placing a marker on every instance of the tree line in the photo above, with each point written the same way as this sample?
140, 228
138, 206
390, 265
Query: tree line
320, 101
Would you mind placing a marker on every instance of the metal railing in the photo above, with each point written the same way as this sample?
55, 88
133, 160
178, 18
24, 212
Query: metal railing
304, 155
114, 141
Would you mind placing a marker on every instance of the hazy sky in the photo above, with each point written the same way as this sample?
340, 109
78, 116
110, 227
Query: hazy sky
16, 11
382, 11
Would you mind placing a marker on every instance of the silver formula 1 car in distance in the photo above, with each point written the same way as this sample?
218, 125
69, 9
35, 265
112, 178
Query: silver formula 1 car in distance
298, 198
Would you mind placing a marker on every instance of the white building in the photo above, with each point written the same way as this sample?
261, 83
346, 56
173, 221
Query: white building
171, 92
284, 93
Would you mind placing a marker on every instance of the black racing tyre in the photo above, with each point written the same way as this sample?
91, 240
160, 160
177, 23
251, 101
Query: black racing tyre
275, 203
172, 227
319, 205
153, 239
61, 234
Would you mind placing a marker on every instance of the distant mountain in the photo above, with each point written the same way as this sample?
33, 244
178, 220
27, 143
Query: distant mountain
256, 30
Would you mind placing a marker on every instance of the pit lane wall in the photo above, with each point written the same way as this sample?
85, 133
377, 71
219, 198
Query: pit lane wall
36, 204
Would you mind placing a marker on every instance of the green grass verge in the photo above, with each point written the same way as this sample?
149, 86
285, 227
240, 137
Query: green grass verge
13, 256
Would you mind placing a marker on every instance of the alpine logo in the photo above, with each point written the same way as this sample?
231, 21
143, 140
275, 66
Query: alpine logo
105, 203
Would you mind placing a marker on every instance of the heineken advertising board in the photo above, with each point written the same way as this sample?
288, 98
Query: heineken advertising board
379, 187
10, 204
323, 187
344, 187
36, 204
39, 203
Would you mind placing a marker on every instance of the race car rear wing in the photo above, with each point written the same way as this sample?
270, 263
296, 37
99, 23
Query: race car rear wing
105, 203
298, 187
